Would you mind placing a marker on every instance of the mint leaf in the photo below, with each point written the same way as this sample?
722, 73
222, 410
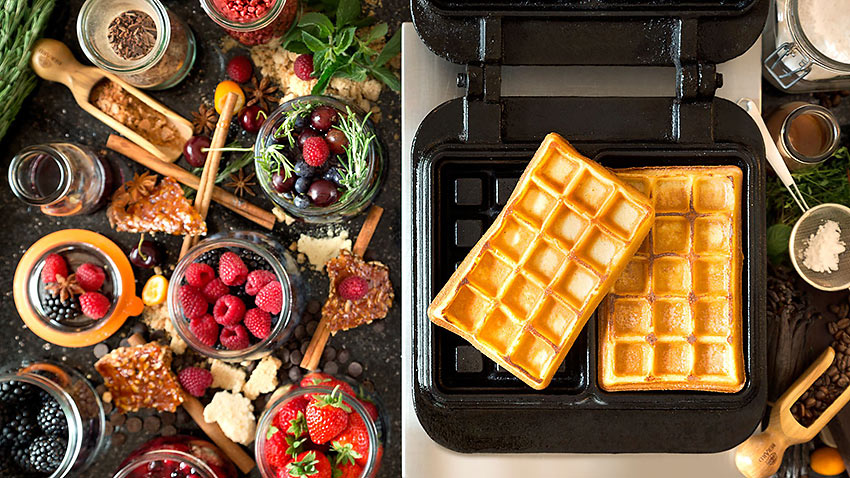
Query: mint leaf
391, 49
379, 31
314, 44
352, 72
343, 40
384, 74
778, 236
346, 12
320, 21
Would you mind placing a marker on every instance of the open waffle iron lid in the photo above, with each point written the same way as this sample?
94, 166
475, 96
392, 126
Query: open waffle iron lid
479, 144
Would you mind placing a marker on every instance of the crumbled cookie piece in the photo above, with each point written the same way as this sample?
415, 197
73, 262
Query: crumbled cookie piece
156, 317
234, 415
263, 378
319, 250
226, 376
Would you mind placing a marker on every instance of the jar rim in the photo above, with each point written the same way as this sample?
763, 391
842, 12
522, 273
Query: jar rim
163, 39
799, 35
160, 455
20, 191
825, 116
258, 23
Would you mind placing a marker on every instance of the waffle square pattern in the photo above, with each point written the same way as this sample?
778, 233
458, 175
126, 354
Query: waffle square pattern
673, 318
527, 288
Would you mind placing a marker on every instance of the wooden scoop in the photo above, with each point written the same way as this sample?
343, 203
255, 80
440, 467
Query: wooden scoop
52, 60
761, 455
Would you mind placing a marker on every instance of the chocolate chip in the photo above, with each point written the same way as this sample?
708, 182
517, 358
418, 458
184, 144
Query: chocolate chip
168, 418
107, 407
295, 373
342, 356
117, 419
134, 424
100, 350
329, 353
100, 389
312, 326
293, 345
295, 358
355, 369
314, 307
124, 343
168, 431
152, 424
300, 332
304, 347
331, 368
284, 355
118, 439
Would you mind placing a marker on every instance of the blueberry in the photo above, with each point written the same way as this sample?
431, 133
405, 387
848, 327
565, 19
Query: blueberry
302, 185
301, 201
302, 169
288, 195
300, 122
333, 175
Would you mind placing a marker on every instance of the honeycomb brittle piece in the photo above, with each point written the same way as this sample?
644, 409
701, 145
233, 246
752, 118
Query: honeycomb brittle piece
346, 314
141, 205
141, 377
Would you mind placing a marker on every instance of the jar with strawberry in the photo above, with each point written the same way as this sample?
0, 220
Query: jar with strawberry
321, 428
177, 457
236, 296
252, 22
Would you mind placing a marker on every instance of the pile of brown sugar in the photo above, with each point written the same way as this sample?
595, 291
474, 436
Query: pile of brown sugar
128, 110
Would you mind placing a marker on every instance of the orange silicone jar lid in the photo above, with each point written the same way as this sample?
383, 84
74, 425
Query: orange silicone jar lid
125, 303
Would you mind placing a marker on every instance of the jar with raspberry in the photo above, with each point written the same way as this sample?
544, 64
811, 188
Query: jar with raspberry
252, 22
177, 456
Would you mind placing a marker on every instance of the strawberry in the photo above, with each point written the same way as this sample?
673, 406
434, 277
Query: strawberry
195, 380
312, 464
315, 151
94, 305
277, 449
370, 407
191, 301
354, 440
352, 288
199, 274
258, 322
327, 416
323, 379
54, 264
214, 290
348, 470
205, 329
229, 310
303, 67
90, 276
231, 269
257, 279
270, 298
292, 411
235, 337
239, 69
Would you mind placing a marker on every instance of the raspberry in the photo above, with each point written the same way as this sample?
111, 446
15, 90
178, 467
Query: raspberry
205, 329
214, 290
239, 69
258, 279
54, 264
199, 274
195, 380
303, 67
270, 298
315, 151
352, 288
191, 301
90, 276
229, 310
258, 322
231, 269
235, 337
94, 304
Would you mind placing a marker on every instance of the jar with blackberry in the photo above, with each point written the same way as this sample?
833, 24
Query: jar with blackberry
319, 159
252, 22
53, 421
236, 296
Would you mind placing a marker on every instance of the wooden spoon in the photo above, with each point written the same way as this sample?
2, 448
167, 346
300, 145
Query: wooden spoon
761, 455
52, 60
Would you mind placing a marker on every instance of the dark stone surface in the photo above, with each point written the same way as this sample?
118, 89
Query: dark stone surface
50, 114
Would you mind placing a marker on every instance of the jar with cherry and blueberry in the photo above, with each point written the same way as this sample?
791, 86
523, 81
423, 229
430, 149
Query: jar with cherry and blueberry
252, 22
236, 296
325, 424
53, 422
319, 159
177, 457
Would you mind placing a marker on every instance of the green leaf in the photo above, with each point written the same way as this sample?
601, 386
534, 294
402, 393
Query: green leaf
778, 236
272, 431
324, 80
378, 31
391, 49
385, 75
346, 12
353, 72
319, 20
297, 47
344, 40
314, 44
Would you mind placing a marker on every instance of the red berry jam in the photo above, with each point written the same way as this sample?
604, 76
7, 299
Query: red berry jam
252, 22
177, 457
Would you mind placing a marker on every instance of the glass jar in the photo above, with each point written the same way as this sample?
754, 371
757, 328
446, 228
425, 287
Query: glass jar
171, 53
255, 22
351, 204
376, 421
805, 134
176, 457
79, 404
806, 47
279, 260
63, 179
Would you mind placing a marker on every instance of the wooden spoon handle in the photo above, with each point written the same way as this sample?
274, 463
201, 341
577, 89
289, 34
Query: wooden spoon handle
761, 455
53, 60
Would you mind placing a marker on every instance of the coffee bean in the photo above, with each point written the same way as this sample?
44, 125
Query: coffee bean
810, 402
843, 324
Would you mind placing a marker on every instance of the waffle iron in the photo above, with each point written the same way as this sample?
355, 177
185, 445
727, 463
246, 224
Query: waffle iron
468, 154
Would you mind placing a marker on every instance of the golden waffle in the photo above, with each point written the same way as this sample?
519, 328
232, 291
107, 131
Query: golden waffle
673, 318
526, 289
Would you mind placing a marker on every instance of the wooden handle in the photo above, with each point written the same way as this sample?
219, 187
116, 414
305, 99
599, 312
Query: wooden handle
53, 60
761, 455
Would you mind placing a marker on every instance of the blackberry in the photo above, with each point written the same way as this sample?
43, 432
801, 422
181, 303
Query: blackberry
254, 261
210, 258
58, 310
20, 429
52, 419
13, 393
45, 454
20, 457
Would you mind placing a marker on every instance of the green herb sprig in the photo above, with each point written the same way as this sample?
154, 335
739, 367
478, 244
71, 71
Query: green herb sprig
354, 165
287, 128
341, 47
228, 169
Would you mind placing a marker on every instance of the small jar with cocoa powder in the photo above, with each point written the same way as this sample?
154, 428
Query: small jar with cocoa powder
139, 40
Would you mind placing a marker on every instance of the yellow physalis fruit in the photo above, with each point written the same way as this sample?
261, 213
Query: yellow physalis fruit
826, 461
155, 290
221, 92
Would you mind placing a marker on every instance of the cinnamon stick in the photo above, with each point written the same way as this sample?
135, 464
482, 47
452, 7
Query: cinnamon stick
313, 354
236, 204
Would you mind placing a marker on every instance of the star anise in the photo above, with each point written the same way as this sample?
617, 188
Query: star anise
262, 93
204, 120
65, 287
241, 184
140, 186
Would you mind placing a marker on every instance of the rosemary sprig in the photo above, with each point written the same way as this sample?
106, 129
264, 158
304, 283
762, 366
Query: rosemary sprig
354, 165
286, 128
273, 160
228, 168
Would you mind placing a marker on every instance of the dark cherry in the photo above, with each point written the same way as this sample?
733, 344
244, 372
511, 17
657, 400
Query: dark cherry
323, 117
307, 133
323, 192
192, 150
146, 255
337, 141
282, 185
251, 118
